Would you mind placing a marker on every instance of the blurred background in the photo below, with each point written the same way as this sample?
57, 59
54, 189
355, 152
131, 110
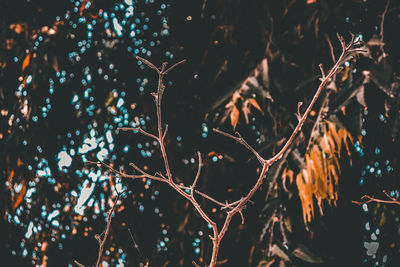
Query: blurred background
69, 78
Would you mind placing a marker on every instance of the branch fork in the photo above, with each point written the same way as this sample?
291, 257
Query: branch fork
188, 192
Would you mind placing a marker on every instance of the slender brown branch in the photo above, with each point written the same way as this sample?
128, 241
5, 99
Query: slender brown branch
381, 27
148, 63
198, 173
165, 132
315, 127
234, 207
139, 130
240, 140
370, 199
124, 175
331, 49
174, 66
109, 218
322, 70
324, 82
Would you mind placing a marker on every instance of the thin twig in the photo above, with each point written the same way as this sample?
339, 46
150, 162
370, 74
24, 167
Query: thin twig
324, 82
139, 130
238, 138
198, 173
174, 66
237, 206
148, 63
381, 26
371, 199
109, 218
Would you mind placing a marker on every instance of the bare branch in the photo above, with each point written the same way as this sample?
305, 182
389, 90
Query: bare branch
298, 114
324, 82
139, 130
148, 63
198, 172
322, 70
371, 199
240, 140
381, 26
109, 218
235, 206
331, 49
165, 132
174, 66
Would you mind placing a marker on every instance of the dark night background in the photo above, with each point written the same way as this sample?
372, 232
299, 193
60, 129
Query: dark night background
69, 78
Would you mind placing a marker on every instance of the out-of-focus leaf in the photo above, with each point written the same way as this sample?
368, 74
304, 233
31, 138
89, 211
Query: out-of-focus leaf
54, 63
254, 103
264, 263
234, 116
19, 162
277, 251
305, 254
26, 62
18, 27
360, 96
20, 196
288, 224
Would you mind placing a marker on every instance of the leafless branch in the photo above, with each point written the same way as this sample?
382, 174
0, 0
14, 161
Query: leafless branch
198, 173
371, 199
175, 65
235, 207
139, 130
148, 63
238, 138
381, 26
346, 49
322, 70
107, 230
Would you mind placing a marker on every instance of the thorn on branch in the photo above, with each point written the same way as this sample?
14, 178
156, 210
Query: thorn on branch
241, 215
322, 71
165, 132
155, 95
298, 115
98, 238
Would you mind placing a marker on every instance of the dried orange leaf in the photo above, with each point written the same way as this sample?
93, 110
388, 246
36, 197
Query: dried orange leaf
20, 196
254, 103
26, 61
234, 117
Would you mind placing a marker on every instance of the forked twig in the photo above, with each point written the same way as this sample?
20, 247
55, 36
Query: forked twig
101, 241
235, 207
371, 199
